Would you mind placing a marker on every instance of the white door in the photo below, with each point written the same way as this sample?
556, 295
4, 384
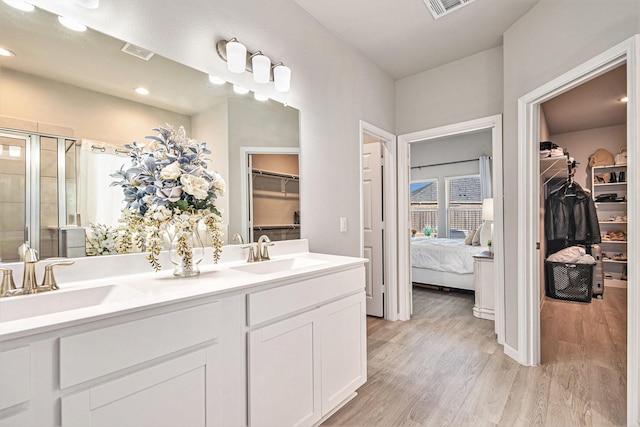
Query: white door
373, 226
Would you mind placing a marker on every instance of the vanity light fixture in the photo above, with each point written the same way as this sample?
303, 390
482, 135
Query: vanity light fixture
261, 65
21, 5
240, 90
6, 52
72, 24
282, 77
260, 97
624, 99
236, 54
216, 80
142, 91
240, 60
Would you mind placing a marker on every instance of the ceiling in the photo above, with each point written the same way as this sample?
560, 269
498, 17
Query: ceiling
403, 38
593, 104
94, 61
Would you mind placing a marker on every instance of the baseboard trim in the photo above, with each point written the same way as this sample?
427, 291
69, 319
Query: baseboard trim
512, 353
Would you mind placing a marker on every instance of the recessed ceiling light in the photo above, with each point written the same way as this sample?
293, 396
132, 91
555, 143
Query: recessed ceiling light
22, 5
624, 99
6, 52
72, 24
240, 90
260, 97
216, 80
142, 91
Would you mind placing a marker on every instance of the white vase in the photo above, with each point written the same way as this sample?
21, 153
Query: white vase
186, 252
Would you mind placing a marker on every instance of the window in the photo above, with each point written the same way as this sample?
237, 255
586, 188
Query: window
424, 206
464, 205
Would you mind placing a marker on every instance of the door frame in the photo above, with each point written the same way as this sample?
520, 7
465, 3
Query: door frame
528, 207
404, 224
244, 182
389, 147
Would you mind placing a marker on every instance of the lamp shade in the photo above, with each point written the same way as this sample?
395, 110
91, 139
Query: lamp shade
282, 78
261, 68
236, 57
487, 209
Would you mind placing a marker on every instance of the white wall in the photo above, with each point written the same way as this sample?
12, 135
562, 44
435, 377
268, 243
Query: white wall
463, 90
582, 144
332, 85
551, 39
212, 126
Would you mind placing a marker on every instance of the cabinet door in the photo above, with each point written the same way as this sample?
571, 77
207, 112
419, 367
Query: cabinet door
173, 393
344, 352
284, 372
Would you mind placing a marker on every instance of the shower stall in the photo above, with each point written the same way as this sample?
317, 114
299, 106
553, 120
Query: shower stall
37, 191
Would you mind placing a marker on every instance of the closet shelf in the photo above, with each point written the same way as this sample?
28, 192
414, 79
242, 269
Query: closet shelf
611, 261
269, 174
277, 227
609, 166
624, 242
612, 222
605, 184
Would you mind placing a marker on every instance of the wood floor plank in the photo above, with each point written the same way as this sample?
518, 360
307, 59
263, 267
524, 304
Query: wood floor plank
445, 368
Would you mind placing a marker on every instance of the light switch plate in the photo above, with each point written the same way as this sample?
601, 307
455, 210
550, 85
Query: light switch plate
343, 224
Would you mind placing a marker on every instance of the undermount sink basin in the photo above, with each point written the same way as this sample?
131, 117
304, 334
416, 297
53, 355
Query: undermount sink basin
25, 306
277, 266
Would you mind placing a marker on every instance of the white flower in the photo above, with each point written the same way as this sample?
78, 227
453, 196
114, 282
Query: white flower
171, 171
218, 183
194, 185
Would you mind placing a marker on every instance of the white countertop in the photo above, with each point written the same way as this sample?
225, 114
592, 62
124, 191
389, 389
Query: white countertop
138, 291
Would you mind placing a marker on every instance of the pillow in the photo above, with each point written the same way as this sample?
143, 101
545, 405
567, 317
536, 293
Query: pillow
476, 236
469, 239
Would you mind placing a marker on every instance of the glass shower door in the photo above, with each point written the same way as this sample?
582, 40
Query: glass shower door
14, 193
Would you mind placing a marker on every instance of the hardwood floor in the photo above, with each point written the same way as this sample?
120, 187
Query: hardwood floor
445, 368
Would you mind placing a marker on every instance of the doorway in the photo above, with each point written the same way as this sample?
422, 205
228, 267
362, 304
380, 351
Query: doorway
529, 277
378, 218
494, 124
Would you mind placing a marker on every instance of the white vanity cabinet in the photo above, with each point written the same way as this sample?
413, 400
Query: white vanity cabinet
310, 357
167, 371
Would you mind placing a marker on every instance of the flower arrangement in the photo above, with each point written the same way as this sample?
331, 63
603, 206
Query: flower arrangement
168, 189
102, 240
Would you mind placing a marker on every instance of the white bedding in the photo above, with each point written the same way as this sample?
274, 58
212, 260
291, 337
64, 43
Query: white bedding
450, 255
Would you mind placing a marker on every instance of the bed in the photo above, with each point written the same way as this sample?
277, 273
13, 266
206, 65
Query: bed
443, 262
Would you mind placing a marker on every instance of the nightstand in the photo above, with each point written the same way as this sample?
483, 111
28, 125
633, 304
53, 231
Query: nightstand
484, 306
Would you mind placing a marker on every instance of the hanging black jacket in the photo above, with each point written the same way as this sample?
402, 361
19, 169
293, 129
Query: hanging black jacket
571, 217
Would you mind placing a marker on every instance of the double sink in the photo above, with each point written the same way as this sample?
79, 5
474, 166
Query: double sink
78, 297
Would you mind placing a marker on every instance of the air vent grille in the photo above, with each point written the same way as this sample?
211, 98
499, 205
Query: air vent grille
137, 51
440, 8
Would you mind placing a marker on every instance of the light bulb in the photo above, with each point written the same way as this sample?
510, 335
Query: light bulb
6, 52
282, 78
21, 5
216, 80
240, 90
236, 57
72, 24
260, 97
261, 68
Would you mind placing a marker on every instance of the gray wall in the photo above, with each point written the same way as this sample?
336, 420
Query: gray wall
462, 90
333, 85
554, 37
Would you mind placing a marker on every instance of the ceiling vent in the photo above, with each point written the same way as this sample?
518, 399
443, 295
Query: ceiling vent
137, 51
439, 8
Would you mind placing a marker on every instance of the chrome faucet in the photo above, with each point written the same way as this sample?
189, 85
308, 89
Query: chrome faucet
262, 249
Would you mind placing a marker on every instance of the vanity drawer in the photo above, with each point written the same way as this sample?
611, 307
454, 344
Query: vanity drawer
103, 351
277, 302
15, 377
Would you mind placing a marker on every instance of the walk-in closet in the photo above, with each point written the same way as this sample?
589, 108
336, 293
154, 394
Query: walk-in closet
583, 239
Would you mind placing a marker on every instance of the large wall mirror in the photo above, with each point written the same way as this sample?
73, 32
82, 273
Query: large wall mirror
68, 106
